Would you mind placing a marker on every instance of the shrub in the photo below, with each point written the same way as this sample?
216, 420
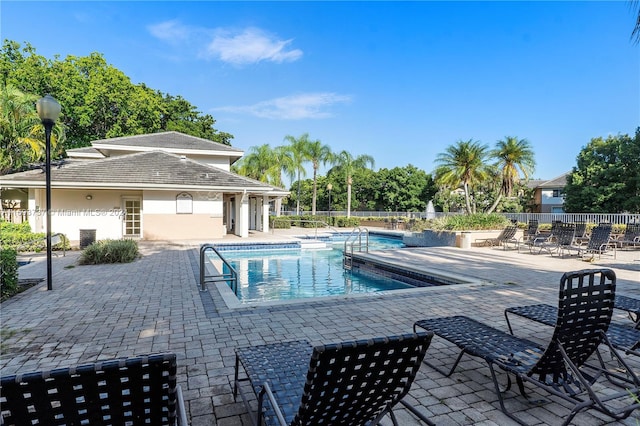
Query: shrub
18, 236
477, 221
281, 222
109, 251
8, 271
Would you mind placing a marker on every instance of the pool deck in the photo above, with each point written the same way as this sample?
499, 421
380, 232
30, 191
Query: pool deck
154, 304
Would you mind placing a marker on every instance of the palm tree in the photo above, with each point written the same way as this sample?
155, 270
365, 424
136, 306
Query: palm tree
266, 165
515, 158
318, 153
345, 164
299, 154
462, 164
22, 137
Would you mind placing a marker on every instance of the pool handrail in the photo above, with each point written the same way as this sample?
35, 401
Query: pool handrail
231, 278
356, 234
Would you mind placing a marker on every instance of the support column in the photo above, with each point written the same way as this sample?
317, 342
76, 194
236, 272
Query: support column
243, 220
265, 213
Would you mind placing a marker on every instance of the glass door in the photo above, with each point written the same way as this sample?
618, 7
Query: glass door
132, 218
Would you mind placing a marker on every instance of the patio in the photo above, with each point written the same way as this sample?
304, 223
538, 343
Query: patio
154, 304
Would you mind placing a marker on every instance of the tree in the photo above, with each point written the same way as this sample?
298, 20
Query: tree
514, 161
317, 153
98, 100
402, 189
298, 150
462, 164
606, 178
345, 164
22, 138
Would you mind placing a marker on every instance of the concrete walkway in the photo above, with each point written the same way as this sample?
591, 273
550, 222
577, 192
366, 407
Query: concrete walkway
153, 304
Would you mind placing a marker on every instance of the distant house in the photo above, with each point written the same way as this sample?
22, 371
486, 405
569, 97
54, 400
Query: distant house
156, 186
549, 194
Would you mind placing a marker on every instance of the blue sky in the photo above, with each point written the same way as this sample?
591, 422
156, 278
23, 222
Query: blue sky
399, 81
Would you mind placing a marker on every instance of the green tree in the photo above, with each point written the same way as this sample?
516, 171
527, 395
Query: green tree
22, 139
298, 150
345, 164
318, 153
462, 164
635, 34
515, 161
98, 100
403, 189
606, 178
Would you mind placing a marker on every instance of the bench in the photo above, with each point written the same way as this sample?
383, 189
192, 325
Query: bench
134, 391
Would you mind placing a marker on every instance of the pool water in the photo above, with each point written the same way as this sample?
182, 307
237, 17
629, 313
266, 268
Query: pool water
270, 275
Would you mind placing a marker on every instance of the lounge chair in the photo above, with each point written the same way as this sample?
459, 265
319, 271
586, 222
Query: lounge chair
599, 242
531, 232
581, 232
134, 391
349, 383
622, 337
584, 312
631, 305
631, 237
543, 239
562, 240
507, 236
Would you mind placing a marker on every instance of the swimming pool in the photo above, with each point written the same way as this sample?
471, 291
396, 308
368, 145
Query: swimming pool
287, 274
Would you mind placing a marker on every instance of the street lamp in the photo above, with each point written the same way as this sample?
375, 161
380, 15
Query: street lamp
48, 110
329, 187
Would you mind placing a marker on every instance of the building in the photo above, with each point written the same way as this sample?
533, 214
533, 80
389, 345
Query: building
549, 194
156, 186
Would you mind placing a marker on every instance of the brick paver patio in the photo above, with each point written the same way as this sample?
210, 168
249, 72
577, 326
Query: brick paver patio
154, 304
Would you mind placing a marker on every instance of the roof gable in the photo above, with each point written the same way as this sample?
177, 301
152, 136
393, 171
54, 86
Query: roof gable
152, 169
166, 141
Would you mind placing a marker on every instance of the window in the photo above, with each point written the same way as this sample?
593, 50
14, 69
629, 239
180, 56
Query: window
557, 193
184, 203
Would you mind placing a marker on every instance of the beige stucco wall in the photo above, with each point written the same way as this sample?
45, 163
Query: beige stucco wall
182, 226
71, 211
164, 202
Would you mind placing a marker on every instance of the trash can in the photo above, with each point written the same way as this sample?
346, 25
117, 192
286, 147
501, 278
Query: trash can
87, 237
465, 240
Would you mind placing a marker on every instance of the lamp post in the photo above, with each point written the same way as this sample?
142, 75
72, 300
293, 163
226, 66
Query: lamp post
48, 110
329, 187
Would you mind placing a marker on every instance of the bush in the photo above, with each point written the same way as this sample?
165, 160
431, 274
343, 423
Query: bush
18, 236
8, 271
477, 221
281, 222
109, 251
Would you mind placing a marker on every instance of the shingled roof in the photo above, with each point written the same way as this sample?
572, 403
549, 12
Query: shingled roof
168, 141
557, 182
144, 170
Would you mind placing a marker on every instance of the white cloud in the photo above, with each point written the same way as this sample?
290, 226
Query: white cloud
295, 107
250, 46
172, 32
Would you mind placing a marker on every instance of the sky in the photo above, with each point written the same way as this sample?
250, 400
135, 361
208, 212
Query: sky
399, 81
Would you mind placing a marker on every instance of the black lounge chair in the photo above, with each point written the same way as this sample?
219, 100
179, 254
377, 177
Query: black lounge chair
133, 391
349, 383
631, 305
622, 337
542, 239
584, 312
631, 237
561, 241
531, 232
506, 236
599, 242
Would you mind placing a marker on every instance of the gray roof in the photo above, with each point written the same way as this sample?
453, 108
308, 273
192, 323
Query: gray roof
151, 169
87, 151
557, 182
168, 141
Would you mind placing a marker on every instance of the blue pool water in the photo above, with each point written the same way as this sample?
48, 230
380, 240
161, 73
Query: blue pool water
270, 275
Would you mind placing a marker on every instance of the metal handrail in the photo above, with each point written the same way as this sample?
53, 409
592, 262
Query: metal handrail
231, 277
349, 245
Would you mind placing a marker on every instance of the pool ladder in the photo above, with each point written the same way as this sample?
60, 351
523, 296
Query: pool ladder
358, 241
231, 277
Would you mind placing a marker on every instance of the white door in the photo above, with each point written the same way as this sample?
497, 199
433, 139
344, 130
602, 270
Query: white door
132, 217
